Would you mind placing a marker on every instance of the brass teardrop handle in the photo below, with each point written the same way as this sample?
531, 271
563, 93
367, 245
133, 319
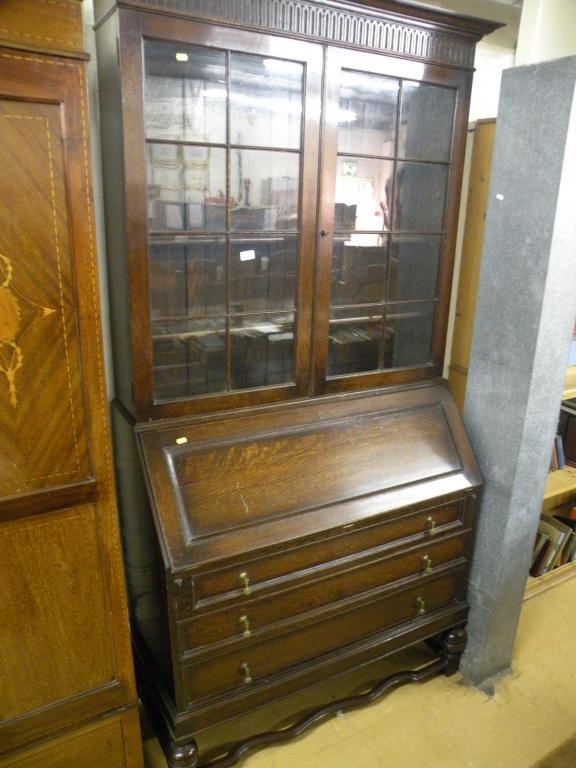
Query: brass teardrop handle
245, 669
421, 605
431, 526
427, 564
245, 579
245, 622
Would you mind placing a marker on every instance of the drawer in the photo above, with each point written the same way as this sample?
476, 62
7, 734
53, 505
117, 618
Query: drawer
248, 666
256, 575
243, 622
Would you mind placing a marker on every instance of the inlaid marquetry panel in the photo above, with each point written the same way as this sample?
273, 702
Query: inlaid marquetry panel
54, 25
42, 416
99, 745
55, 631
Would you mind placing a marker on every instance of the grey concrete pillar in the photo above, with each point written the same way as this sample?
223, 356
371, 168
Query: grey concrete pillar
525, 311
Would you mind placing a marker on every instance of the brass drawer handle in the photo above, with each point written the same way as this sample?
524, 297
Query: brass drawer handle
246, 672
431, 526
245, 621
421, 605
427, 564
245, 579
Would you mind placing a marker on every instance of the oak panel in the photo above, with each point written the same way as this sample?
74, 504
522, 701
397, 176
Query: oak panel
55, 635
234, 485
43, 439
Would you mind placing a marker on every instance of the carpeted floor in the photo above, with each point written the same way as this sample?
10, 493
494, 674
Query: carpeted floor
562, 757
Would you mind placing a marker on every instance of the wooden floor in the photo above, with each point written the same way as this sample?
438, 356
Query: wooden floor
446, 724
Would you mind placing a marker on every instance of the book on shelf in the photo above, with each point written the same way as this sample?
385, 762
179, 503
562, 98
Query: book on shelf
560, 455
552, 537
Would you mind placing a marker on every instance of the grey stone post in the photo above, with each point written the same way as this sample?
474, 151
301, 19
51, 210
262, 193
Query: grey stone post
525, 311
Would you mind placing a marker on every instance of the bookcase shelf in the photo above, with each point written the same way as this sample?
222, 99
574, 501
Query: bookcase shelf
538, 584
560, 488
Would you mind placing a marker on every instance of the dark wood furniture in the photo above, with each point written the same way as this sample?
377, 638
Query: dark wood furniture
282, 186
67, 683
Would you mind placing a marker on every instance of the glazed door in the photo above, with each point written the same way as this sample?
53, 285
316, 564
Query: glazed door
229, 140
391, 169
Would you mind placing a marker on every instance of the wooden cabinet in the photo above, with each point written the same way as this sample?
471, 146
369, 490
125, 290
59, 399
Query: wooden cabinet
282, 184
64, 641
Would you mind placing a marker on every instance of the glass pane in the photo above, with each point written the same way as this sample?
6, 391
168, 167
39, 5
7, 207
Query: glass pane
261, 350
408, 335
187, 277
359, 268
189, 357
264, 189
426, 119
265, 101
184, 92
263, 274
413, 270
354, 340
186, 187
420, 194
363, 192
367, 114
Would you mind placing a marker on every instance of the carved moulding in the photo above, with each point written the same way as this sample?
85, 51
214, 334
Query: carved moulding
329, 24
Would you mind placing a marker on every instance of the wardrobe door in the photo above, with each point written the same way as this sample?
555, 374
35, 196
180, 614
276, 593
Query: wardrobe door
391, 169
64, 642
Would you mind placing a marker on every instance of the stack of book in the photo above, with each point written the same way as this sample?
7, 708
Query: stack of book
555, 543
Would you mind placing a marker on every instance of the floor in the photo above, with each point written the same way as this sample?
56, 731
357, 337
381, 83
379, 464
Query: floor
447, 724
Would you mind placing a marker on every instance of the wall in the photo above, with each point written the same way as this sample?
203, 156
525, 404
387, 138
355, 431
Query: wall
547, 31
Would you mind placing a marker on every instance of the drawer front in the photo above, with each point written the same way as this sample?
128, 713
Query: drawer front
244, 622
248, 666
257, 575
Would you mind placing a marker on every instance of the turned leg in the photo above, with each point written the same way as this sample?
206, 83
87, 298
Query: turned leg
183, 755
452, 647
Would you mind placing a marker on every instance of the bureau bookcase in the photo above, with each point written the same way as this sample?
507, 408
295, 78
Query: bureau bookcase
282, 184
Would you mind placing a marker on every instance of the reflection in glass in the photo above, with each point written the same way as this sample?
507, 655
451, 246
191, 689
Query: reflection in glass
359, 269
413, 272
189, 357
186, 187
367, 114
263, 274
265, 187
420, 192
261, 350
185, 92
408, 335
354, 340
265, 101
426, 119
363, 194
187, 277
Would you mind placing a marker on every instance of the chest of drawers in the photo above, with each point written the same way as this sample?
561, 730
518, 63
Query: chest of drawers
274, 569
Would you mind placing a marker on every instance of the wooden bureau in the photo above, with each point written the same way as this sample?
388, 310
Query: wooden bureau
274, 578
282, 182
